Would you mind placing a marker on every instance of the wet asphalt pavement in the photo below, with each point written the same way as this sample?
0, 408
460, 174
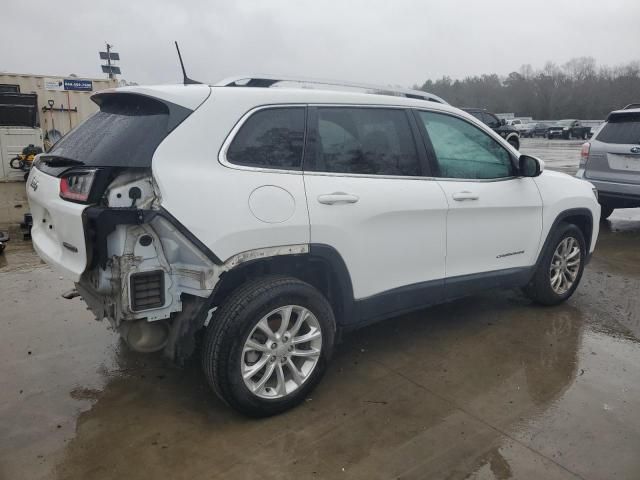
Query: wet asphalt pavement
488, 387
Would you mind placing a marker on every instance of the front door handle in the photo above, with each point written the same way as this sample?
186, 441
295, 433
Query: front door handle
466, 195
337, 197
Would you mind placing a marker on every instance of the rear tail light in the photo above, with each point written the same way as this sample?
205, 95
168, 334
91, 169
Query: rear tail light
584, 154
76, 186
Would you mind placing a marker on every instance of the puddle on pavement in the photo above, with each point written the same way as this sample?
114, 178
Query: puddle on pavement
485, 387
457, 388
619, 240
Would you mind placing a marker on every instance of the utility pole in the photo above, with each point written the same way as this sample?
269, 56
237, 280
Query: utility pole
109, 60
110, 56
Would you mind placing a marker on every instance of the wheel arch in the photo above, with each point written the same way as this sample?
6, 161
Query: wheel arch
514, 136
580, 217
322, 267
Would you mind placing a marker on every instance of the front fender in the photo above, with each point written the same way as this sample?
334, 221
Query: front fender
564, 196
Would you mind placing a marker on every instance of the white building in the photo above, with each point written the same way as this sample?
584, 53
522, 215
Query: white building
70, 96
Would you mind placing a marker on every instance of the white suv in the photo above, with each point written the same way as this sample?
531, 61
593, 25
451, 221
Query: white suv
272, 219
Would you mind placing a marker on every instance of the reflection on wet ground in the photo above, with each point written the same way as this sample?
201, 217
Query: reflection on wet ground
561, 155
486, 387
489, 387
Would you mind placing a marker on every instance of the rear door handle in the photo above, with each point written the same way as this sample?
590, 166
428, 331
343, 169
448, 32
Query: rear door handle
337, 197
466, 195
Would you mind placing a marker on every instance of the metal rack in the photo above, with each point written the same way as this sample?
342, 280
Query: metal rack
266, 81
59, 109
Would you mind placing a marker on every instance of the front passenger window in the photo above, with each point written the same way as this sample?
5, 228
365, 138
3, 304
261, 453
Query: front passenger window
464, 151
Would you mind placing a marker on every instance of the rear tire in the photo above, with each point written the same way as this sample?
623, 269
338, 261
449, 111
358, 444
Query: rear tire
605, 211
16, 163
247, 335
558, 274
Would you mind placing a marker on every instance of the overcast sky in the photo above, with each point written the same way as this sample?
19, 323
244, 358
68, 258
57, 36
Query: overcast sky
392, 42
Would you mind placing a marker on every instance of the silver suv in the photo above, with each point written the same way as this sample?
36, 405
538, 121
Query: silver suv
611, 161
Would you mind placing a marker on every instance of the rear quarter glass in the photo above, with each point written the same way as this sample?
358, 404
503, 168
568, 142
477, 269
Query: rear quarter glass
124, 133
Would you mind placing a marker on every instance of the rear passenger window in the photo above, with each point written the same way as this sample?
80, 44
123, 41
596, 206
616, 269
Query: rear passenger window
271, 138
374, 141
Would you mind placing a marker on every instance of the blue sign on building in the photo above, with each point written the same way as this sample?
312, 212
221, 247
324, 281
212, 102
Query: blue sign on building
81, 85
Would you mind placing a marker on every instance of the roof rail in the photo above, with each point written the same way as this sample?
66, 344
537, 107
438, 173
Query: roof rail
632, 105
266, 81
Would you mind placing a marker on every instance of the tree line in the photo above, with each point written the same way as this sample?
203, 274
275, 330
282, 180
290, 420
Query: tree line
577, 89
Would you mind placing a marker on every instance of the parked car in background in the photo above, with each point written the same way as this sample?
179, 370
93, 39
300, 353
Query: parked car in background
538, 130
611, 161
259, 223
594, 129
508, 132
568, 129
518, 124
528, 129
526, 126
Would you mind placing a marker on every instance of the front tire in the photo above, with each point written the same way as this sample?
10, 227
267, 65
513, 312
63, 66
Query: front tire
560, 269
514, 142
268, 345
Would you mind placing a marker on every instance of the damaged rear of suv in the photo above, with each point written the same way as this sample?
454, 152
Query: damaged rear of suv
97, 217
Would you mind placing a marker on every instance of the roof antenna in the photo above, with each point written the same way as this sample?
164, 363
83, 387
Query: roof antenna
186, 80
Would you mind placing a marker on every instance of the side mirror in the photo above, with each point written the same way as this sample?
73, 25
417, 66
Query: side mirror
529, 166
503, 122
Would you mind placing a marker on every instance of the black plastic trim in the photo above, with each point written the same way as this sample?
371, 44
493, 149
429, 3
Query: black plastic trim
188, 235
619, 200
426, 168
398, 301
411, 297
572, 212
99, 222
342, 276
421, 295
463, 285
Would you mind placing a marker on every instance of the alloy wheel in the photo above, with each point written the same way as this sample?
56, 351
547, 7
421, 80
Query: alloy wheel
565, 265
281, 352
